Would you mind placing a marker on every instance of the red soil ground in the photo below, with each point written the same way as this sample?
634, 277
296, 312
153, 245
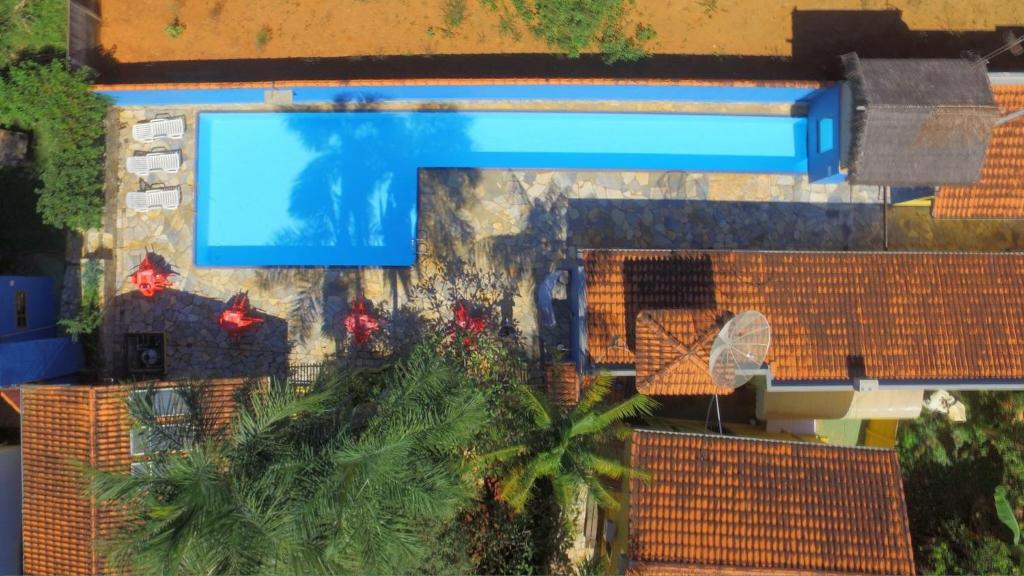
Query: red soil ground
134, 31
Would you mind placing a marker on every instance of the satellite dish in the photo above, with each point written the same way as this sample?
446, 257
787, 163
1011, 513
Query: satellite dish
739, 349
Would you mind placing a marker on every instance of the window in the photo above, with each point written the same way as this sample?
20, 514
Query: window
164, 438
826, 134
20, 309
166, 402
172, 433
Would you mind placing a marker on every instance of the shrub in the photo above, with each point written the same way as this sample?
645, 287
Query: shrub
37, 26
66, 119
454, 15
175, 28
573, 26
263, 37
89, 313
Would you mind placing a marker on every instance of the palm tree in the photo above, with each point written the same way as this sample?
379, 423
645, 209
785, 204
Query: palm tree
564, 446
359, 474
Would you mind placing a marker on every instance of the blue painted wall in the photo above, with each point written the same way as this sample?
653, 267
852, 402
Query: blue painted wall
40, 360
34, 353
41, 307
823, 127
551, 92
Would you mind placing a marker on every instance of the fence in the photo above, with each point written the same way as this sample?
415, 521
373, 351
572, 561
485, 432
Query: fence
303, 375
83, 33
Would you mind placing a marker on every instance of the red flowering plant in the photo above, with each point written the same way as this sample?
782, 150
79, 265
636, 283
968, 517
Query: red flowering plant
360, 323
465, 326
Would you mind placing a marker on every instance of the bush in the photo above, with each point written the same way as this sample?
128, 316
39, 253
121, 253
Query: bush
572, 26
66, 119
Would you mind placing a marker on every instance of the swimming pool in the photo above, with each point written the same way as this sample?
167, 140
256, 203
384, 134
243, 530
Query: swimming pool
340, 188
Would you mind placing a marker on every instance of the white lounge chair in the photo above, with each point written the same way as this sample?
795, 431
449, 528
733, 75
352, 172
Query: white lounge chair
154, 199
173, 128
168, 162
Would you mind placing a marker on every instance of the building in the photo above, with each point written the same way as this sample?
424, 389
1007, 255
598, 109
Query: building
839, 320
725, 505
853, 335
66, 424
30, 348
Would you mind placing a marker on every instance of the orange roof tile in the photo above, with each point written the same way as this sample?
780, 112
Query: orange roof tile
1000, 192
563, 384
12, 397
718, 504
834, 315
673, 352
62, 425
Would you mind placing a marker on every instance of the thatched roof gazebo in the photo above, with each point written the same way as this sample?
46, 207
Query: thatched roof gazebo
918, 122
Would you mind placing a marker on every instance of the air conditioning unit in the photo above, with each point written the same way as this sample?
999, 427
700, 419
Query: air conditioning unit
144, 355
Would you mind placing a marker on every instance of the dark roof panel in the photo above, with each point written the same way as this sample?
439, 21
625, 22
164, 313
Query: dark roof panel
918, 122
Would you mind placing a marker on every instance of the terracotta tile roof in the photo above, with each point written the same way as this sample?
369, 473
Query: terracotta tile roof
12, 397
673, 352
834, 315
718, 504
1000, 192
563, 384
62, 425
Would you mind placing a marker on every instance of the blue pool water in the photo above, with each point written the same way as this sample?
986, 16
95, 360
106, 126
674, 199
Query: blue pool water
340, 188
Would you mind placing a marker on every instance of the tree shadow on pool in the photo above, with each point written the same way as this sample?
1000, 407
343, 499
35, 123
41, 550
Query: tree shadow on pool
356, 193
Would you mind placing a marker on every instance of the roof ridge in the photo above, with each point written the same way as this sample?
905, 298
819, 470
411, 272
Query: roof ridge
844, 252
768, 440
688, 353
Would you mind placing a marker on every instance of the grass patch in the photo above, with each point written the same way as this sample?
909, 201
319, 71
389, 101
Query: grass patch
263, 37
710, 7
31, 26
577, 26
454, 15
175, 28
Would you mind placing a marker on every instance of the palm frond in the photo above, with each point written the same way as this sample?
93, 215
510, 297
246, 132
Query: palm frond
601, 494
604, 466
636, 405
537, 408
595, 393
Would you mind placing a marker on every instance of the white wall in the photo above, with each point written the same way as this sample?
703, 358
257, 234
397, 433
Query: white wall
10, 509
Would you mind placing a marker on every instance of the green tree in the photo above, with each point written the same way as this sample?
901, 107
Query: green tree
360, 474
66, 119
950, 473
565, 448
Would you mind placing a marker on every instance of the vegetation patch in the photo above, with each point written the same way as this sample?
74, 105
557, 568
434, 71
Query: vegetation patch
962, 482
66, 120
263, 37
454, 15
175, 28
37, 26
575, 26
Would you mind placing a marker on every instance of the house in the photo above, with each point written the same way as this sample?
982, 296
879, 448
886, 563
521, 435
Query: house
847, 328
726, 505
30, 348
62, 425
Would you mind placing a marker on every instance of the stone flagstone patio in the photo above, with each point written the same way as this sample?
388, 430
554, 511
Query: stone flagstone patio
520, 224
